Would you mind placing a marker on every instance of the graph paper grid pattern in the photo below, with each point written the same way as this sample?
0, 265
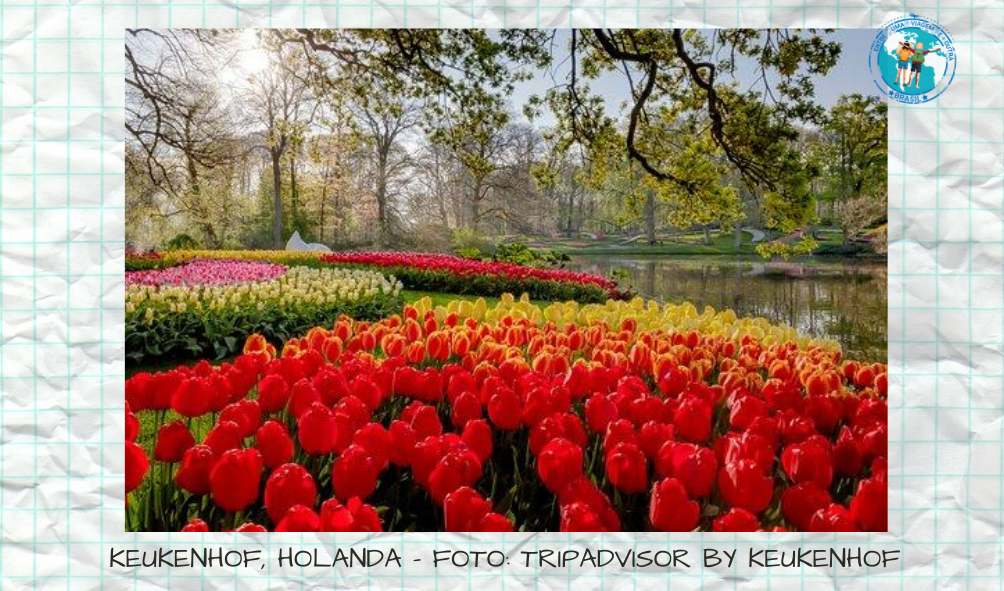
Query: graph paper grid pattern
62, 319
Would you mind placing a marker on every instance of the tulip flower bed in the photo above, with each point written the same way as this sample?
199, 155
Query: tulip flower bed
208, 308
430, 272
618, 417
450, 274
207, 272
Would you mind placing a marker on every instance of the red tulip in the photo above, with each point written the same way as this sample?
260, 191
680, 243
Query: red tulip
505, 410
193, 473
246, 413
577, 517
456, 469
627, 468
235, 479
288, 485
880, 468
317, 430
223, 437
299, 519
131, 425
870, 506
564, 425
160, 390
193, 398
693, 420
847, 459
403, 439
376, 441
353, 516
670, 509
694, 466
137, 391
276, 446
652, 436
582, 490
619, 431
799, 503
736, 520
833, 518
195, 526
302, 395
273, 393
173, 440
478, 436
136, 465
465, 408
367, 391
331, 384
463, 509
494, 522
354, 473
825, 412
875, 441
745, 486
795, 428
249, 527
425, 421
809, 461
746, 410
559, 463
736, 447
600, 412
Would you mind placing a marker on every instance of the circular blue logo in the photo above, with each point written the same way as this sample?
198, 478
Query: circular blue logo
912, 59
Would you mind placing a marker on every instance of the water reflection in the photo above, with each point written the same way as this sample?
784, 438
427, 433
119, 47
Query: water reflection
845, 302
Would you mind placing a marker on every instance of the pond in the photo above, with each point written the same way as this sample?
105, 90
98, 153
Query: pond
846, 302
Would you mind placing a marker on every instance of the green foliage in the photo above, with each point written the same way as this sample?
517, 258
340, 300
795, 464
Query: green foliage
785, 251
517, 253
854, 152
851, 249
469, 252
520, 254
469, 239
182, 242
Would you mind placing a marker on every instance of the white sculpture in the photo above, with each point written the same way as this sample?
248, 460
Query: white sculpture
297, 243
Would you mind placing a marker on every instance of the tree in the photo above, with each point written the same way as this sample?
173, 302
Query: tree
855, 156
686, 70
384, 124
179, 131
282, 102
478, 143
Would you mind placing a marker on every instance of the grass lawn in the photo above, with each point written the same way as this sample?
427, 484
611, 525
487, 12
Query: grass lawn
442, 299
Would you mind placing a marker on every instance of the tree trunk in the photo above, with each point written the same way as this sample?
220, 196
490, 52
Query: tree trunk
476, 206
381, 197
570, 227
276, 200
293, 205
707, 235
650, 216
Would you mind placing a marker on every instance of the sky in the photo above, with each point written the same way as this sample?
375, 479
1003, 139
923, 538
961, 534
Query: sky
849, 76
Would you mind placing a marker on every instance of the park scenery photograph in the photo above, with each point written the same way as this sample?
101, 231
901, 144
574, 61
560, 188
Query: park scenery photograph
530, 280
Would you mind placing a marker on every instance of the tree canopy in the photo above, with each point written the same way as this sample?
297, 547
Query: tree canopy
689, 121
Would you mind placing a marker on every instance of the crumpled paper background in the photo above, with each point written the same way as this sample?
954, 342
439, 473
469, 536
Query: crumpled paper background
61, 325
